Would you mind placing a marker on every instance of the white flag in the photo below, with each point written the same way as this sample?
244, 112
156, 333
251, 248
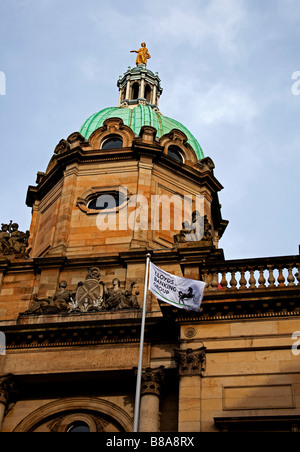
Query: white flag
181, 292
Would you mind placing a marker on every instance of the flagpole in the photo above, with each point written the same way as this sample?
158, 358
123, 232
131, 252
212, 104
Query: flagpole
140, 365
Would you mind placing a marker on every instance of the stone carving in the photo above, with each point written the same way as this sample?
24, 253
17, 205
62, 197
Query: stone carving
191, 362
62, 147
13, 241
7, 389
152, 380
199, 230
59, 302
117, 298
90, 295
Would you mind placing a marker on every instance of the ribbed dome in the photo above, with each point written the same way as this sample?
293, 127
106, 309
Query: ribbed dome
136, 118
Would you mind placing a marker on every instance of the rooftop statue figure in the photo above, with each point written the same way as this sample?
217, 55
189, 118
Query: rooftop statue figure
13, 241
142, 55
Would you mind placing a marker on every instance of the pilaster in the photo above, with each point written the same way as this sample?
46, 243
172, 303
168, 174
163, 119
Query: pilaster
191, 367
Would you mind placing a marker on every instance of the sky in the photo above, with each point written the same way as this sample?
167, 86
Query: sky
229, 72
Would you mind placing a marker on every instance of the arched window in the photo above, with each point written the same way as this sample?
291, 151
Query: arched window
112, 142
135, 90
175, 153
148, 93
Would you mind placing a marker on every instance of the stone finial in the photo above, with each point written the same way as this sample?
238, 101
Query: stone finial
191, 362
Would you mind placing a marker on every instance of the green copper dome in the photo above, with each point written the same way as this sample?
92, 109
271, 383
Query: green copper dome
136, 118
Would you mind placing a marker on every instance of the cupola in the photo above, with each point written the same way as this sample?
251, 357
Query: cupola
139, 86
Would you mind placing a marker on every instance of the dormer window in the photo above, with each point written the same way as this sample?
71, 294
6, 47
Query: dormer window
175, 153
112, 142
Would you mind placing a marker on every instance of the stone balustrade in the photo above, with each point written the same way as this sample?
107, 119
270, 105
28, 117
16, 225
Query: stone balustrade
253, 274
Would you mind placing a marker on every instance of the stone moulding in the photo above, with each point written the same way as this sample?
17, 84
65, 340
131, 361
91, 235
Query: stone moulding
74, 404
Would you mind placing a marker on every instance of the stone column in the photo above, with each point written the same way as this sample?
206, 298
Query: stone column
191, 367
152, 380
142, 88
127, 89
7, 393
154, 100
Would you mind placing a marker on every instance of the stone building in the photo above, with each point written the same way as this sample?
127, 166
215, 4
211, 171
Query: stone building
71, 290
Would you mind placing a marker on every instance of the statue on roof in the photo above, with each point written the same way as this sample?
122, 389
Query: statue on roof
142, 55
13, 241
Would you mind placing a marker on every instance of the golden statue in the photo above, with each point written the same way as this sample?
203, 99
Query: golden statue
143, 55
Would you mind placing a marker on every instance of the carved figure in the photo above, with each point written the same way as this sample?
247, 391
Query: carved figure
142, 55
117, 298
207, 229
62, 297
193, 232
4, 238
59, 302
13, 241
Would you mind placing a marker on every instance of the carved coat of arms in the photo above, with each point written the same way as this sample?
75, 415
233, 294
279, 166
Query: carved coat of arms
89, 294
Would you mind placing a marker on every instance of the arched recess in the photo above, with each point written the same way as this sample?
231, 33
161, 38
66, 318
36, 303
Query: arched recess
68, 405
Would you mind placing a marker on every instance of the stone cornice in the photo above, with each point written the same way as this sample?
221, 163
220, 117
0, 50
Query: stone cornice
56, 331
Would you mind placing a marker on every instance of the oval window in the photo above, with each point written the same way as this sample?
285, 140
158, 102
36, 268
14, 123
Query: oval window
79, 427
174, 153
107, 200
112, 142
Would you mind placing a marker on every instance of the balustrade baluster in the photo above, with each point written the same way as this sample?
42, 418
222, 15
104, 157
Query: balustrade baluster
243, 280
215, 280
271, 279
298, 274
252, 280
206, 279
224, 280
281, 278
261, 279
291, 278
233, 281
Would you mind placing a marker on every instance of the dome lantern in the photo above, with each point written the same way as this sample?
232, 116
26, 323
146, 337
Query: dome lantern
139, 85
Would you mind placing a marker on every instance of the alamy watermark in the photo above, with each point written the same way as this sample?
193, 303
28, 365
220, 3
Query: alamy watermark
2, 84
296, 345
296, 84
160, 212
2, 343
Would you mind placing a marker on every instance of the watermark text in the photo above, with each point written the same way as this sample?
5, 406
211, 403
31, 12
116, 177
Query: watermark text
296, 345
159, 213
296, 84
2, 84
2, 343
